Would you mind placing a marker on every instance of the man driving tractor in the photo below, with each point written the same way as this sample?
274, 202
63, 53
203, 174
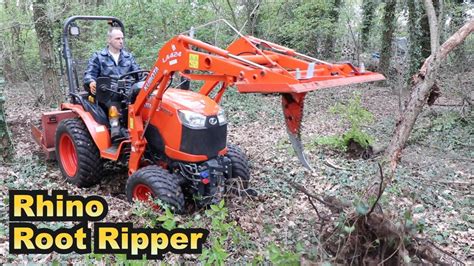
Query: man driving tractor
112, 61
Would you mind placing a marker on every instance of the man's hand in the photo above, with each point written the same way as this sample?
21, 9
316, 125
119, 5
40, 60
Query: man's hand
92, 86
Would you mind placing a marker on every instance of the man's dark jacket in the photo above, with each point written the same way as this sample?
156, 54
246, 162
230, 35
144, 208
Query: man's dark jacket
102, 64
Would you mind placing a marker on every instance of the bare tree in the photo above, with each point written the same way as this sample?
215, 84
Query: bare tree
253, 16
424, 83
43, 26
13, 44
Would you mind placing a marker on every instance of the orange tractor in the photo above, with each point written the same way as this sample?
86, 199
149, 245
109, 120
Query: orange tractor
176, 146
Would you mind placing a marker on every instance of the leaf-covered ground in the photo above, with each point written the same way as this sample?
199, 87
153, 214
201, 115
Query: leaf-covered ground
434, 182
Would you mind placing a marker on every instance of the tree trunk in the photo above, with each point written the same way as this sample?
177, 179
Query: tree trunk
368, 13
459, 55
425, 29
422, 88
387, 37
233, 15
13, 46
50, 76
331, 38
5, 140
253, 16
415, 58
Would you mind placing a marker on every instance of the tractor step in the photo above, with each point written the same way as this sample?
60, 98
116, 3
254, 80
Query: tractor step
113, 152
113, 149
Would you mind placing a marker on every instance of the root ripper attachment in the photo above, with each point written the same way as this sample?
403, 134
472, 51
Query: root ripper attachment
293, 104
252, 66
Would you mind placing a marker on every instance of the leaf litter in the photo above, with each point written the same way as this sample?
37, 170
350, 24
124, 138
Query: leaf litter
430, 182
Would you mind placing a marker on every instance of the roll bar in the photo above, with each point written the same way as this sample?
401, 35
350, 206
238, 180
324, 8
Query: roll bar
73, 82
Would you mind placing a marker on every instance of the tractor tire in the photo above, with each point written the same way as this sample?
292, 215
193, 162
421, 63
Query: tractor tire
240, 170
78, 157
158, 183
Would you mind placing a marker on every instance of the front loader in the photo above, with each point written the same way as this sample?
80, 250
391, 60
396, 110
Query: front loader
176, 146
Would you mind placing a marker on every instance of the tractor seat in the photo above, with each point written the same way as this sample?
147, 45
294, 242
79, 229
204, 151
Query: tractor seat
95, 109
100, 116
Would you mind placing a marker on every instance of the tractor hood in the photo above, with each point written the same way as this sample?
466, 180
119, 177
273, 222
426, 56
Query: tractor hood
188, 100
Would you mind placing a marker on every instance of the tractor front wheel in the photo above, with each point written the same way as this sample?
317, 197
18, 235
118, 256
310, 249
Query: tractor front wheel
240, 170
153, 182
78, 157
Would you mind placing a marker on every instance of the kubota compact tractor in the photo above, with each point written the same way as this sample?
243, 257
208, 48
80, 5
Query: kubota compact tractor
176, 144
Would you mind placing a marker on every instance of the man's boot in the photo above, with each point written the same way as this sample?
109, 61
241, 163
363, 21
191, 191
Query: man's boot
114, 124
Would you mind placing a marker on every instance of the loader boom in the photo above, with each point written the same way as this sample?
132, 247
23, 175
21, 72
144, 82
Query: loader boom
253, 66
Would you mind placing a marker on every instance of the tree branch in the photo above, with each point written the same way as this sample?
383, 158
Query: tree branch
433, 22
381, 190
454, 41
309, 194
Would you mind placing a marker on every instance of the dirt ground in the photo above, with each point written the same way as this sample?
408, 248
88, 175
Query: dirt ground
434, 181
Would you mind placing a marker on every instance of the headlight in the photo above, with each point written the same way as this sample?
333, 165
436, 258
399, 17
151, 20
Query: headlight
221, 117
192, 119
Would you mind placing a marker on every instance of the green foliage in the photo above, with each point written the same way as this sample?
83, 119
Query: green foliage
355, 116
336, 142
167, 219
121, 259
302, 26
454, 129
280, 257
223, 234
220, 233
162, 215
361, 207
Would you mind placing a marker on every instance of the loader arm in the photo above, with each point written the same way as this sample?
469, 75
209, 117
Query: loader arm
253, 66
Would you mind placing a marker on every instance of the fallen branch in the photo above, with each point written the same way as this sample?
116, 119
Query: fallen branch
316, 209
333, 165
448, 105
423, 252
314, 196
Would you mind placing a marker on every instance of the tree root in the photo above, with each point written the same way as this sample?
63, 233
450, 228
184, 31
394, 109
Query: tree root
372, 238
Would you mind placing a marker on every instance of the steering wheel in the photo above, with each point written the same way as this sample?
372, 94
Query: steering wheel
134, 74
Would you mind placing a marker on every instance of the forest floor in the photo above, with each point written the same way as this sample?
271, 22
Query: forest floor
433, 184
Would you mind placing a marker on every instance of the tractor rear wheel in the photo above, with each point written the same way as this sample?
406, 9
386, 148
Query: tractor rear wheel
78, 157
157, 183
240, 170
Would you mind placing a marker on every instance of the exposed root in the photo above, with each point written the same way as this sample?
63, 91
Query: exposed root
355, 150
372, 237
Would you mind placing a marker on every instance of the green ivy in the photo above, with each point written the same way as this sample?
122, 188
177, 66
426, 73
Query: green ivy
355, 116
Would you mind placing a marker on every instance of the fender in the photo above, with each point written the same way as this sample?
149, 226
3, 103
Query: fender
99, 133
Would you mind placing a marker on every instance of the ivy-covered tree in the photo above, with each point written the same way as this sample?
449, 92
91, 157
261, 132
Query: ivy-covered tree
458, 19
333, 17
43, 28
414, 33
368, 14
15, 40
387, 36
5, 140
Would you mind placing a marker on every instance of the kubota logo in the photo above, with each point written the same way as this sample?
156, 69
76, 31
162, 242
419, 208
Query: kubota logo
213, 121
149, 80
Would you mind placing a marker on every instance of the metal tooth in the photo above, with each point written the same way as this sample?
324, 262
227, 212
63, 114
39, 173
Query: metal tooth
298, 147
295, 137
